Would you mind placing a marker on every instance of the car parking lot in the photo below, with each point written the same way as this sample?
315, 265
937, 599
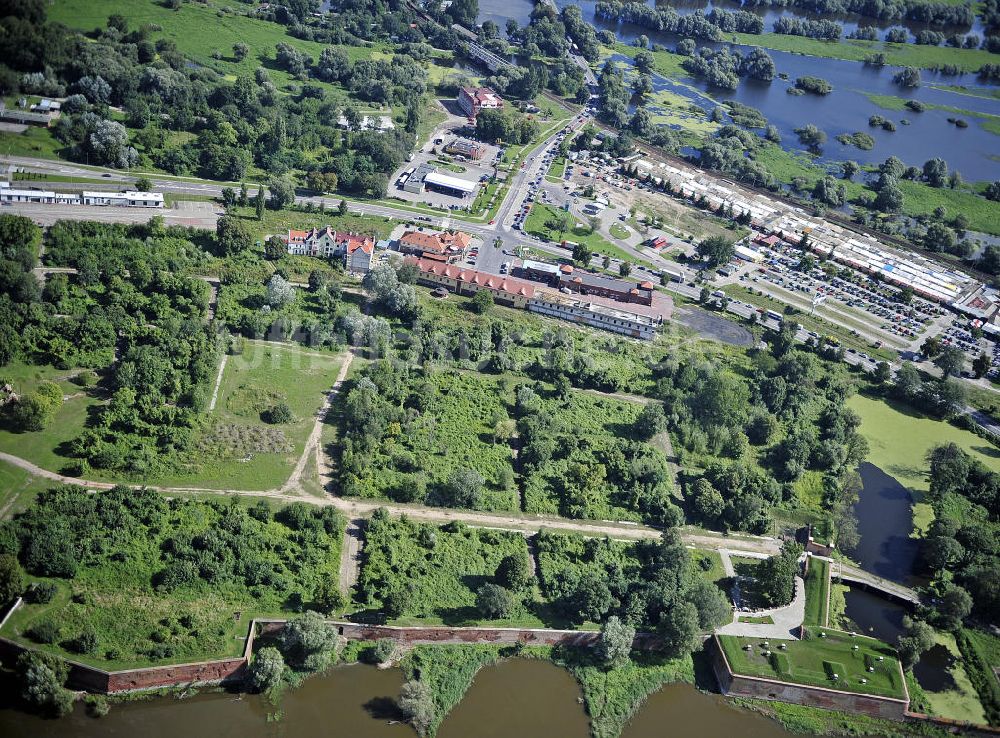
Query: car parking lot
847, 291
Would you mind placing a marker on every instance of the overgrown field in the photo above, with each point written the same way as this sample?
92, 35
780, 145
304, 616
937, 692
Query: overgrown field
140, 579
416, 570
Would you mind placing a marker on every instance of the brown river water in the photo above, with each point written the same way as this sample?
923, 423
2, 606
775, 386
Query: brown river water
519, 698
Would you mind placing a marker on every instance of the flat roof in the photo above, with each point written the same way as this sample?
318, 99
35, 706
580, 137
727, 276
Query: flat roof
540, 266
454, 183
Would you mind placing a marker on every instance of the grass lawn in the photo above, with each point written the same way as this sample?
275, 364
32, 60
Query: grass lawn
46, 447
912, 55
757, 619
815, 660
817, 592
18, 489
703, 558
961, 702
236, 448
619, 231
536, 224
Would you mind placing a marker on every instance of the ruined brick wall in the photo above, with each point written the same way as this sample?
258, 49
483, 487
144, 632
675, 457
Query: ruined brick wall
176, 675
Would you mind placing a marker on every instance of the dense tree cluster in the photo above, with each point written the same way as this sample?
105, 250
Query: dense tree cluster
707, 26
792, 26
962, 545
653, 586
233, 124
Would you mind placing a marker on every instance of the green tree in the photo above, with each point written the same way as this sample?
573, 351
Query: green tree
625, 269
416, 702
917, 638
281, 191
143, 184
275, 248
328, 598
464, 488
514, 571
308, 641
232, 236
650, 422
981, 365
482, 301
42, 678
495, 602
265, 671
581, 254
12, 582
717, 250
950, 361
776, 576
615, 641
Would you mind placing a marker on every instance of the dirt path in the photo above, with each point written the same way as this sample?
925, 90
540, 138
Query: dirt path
218, 382
313, 443
350, 555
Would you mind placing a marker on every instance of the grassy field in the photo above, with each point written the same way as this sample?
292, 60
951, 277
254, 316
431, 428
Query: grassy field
912, 55
201, 29
817, 592
815, 661
251, 562
237, 449
280, 221
536, 224
46, 447
18, 489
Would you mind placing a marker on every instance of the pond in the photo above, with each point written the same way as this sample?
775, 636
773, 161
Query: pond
885, 521
972, 151
519, 697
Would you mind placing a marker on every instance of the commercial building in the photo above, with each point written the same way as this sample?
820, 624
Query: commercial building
747, 254
541, 271
590, 283
454, 186
593, 315
49, 197
466, 148
506, 290
415, 182
445, 247
473, 99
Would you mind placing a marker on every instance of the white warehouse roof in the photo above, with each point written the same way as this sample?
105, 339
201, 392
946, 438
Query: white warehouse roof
452, 183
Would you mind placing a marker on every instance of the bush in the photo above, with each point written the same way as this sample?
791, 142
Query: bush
278, 415
41, 593
495, 602
86, 642
383, 650
97, 705
44, 631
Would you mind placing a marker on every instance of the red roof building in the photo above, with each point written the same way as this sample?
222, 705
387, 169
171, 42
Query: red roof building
473, 99
506, 290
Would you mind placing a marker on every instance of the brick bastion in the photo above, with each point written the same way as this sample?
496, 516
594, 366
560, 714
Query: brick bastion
738, 685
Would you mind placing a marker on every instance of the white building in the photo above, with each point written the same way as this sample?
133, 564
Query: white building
594, 315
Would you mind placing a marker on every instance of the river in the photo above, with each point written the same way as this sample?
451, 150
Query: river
519, 697
973, 151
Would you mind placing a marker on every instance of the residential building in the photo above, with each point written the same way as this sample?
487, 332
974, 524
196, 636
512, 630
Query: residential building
466, 148
446, 247
370, 122
473, 99
354, 249
506, 290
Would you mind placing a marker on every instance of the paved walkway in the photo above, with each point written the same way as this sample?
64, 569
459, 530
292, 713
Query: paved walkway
786, 619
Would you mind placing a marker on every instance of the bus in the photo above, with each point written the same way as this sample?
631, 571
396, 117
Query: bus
773, 315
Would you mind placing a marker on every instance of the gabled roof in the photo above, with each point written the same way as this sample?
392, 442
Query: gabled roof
507, 285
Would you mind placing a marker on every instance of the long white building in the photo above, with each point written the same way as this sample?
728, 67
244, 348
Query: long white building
50, 197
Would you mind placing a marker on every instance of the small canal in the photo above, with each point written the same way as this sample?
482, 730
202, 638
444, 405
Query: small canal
519, 697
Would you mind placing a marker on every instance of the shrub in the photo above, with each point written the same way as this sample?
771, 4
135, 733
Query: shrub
41, 593
266, 670
278, 415
97, 705
383, 651
44, 631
